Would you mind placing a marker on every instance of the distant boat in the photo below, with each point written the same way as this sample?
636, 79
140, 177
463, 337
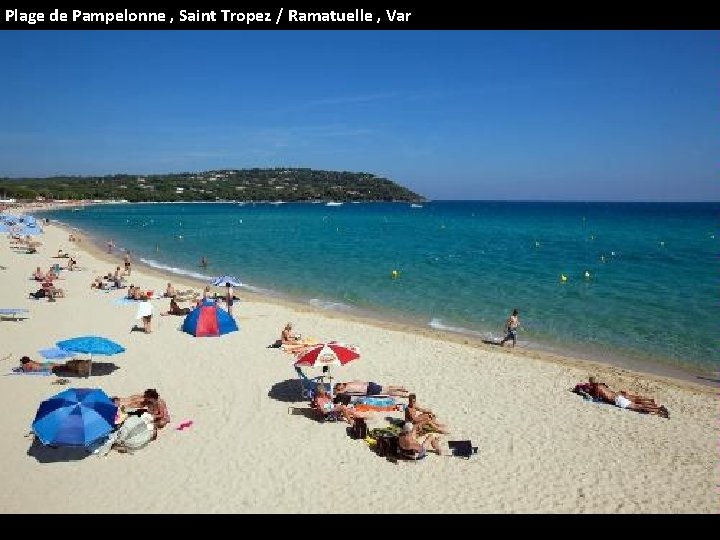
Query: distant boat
413, 205
278, 202
331, 203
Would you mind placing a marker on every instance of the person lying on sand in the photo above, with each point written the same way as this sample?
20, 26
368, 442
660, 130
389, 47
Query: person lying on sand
370, 389
77, 366
624, 399
341, 405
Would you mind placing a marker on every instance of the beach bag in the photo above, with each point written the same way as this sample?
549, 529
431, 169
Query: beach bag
136, 432
387, 446
359, 429
463, 449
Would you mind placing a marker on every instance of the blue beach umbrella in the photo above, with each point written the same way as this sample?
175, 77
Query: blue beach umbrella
91, 345
55, 353
222, 280
74, 417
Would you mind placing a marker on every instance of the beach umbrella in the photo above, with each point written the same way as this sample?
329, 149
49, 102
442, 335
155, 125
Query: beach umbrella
327, 354
75, 417
55, 353
91, 345
222, 280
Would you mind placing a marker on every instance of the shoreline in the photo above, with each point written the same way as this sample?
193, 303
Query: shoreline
625, 368
255, 441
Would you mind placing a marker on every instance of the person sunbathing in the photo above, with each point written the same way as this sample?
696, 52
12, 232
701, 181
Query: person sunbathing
370, 389
410, 445
149, 400
624, 399
291, 342
76, 366
422, 418
175, 309
170, 291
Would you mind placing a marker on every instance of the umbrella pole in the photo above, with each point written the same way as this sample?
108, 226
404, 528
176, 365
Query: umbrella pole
90, 367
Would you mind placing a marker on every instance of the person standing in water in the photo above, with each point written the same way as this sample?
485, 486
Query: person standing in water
511, 327
203, 262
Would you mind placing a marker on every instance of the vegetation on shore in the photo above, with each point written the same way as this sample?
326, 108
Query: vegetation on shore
279, 184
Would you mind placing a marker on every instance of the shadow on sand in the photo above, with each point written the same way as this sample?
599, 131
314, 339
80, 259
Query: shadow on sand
49, 454
99, 369
286, 391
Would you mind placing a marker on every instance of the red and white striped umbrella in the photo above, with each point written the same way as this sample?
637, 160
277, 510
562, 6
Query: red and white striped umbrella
327, 354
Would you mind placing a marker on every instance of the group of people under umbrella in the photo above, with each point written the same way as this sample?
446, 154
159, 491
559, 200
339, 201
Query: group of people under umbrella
357, 401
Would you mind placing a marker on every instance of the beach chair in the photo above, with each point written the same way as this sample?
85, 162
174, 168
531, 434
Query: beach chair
15, 314
308, 385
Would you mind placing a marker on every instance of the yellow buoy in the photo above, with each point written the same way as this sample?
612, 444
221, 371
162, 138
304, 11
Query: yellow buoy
587, 274
394, 274
563, 278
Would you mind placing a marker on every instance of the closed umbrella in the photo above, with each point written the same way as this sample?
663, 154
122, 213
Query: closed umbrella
75, 417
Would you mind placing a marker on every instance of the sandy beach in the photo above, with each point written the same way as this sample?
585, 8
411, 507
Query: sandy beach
541, 448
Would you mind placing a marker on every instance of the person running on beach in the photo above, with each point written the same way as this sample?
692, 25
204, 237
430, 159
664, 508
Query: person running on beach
110, 245
511, 327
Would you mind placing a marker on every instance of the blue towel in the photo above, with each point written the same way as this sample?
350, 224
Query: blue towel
124, 301
19, 371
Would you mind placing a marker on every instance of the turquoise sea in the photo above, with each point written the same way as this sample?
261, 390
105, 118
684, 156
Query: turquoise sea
650, 292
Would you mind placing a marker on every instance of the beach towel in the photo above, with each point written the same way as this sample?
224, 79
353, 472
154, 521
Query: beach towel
375, 401
124, 301
20, 371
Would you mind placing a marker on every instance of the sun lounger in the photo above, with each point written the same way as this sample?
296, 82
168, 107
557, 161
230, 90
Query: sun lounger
14, 313
20, 371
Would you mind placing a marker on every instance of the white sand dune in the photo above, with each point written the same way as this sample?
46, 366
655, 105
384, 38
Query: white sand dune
542, 449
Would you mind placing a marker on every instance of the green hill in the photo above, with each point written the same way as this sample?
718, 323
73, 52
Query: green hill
278, 184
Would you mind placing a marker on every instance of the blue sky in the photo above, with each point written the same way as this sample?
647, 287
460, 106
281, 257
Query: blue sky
531, 115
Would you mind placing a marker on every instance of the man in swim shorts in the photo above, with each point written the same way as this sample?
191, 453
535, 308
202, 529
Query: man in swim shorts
626, 400
370, 389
